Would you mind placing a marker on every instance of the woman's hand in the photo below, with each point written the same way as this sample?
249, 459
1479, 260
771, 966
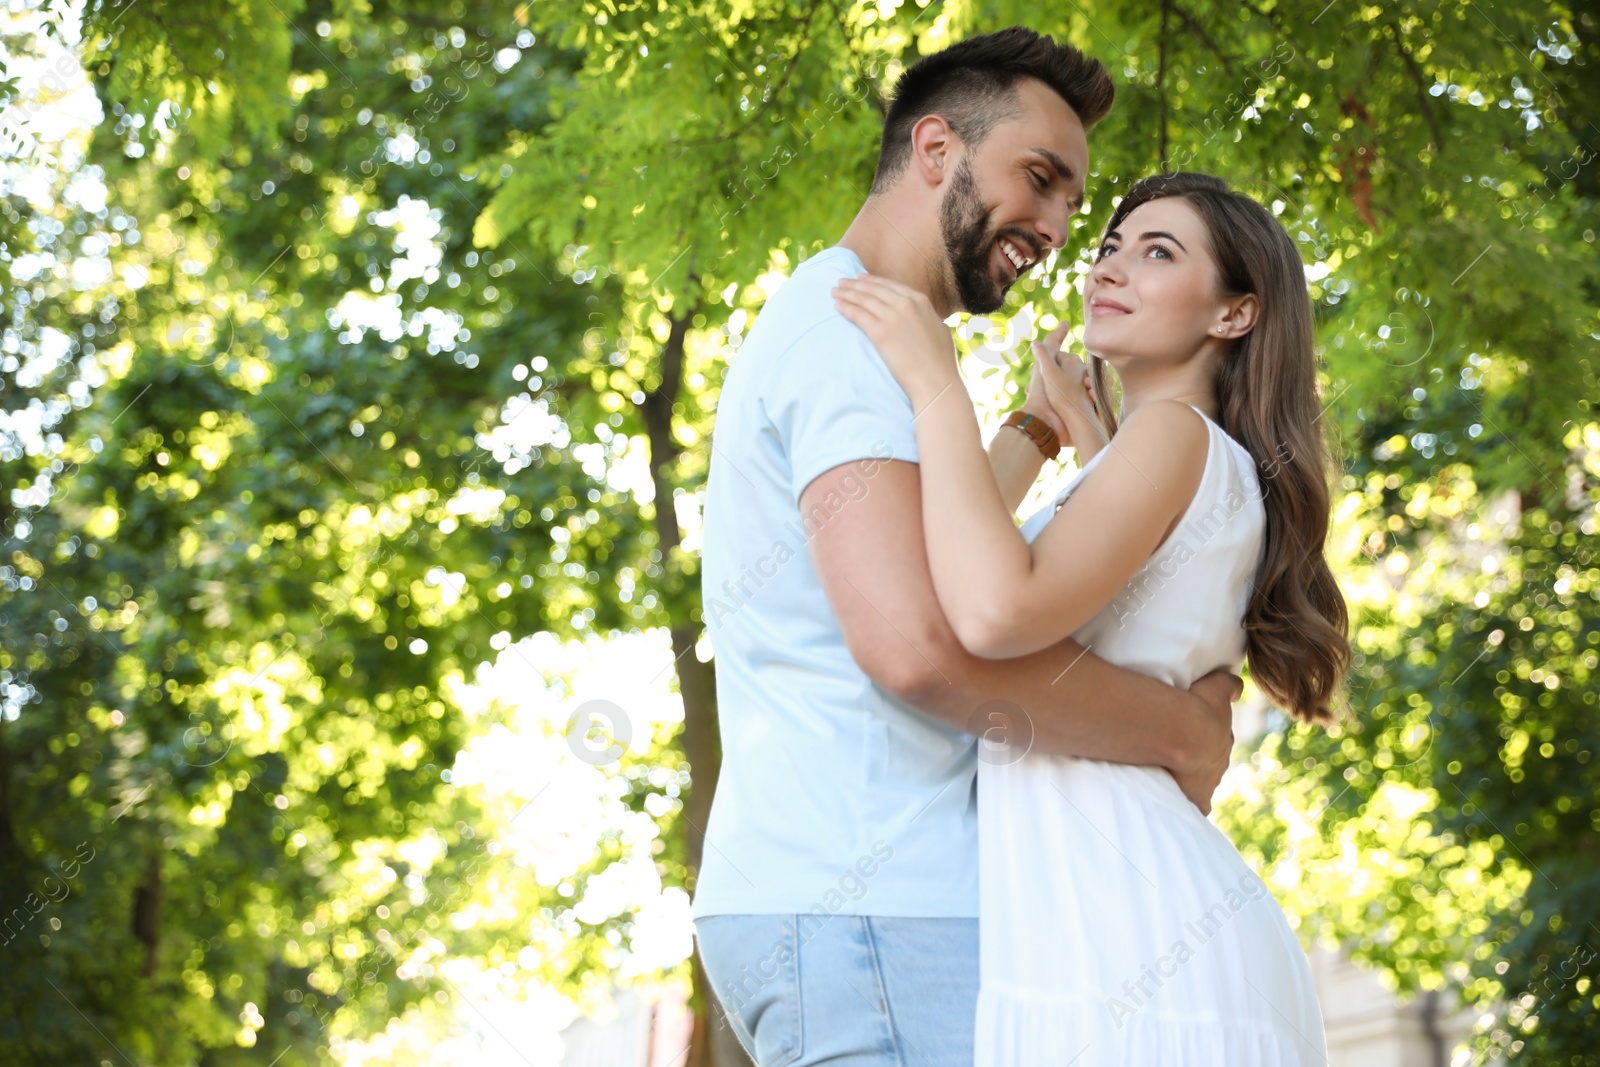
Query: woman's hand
909, 335
1036, 401
1061, 379
1061, 382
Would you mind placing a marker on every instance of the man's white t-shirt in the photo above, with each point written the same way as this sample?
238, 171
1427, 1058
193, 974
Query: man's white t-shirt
834, 797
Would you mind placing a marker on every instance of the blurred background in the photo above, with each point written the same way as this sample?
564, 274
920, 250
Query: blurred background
358, 370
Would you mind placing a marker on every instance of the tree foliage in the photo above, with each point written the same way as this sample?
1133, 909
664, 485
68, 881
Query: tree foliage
396, 295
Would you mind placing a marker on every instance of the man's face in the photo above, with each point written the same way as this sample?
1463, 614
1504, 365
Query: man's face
1008, 202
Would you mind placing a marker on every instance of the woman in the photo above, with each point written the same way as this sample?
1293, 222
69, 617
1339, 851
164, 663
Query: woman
1118, 926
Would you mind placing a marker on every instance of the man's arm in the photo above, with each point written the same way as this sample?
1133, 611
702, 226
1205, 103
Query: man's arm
873, 565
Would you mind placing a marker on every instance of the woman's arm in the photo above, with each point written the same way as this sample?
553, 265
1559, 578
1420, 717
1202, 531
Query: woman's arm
1062, 380
1087, 433
1057, 393
1014, 462
1007, 598
1003, 597
1014, 459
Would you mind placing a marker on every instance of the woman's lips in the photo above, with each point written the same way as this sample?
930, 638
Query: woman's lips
1107, 307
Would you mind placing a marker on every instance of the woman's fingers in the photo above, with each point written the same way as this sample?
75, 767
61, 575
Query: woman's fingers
866, 283
1037, 401
1036, 380
1043, 365
892, 294
875, 300
1059, 376
1053, 339
874, 318
860, 298
882, 285
854, 311
1064, 382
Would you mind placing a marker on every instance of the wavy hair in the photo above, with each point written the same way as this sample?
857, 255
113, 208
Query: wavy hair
1296, 625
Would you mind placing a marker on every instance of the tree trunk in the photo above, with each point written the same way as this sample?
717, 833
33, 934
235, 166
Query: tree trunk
712, 1043
147, 912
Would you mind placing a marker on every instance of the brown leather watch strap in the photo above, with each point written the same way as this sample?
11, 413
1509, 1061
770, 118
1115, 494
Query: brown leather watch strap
1036, 428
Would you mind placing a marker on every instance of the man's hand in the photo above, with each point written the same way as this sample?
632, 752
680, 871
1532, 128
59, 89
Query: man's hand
1216, 692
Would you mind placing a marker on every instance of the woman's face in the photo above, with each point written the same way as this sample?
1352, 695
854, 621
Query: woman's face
1153, 296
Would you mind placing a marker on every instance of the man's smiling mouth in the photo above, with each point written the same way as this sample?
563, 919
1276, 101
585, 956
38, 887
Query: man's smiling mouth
1021, 259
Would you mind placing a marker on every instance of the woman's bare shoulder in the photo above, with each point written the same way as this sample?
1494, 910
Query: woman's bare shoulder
1166, 436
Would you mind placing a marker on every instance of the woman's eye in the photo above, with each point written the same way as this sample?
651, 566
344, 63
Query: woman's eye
1161, 249
1103, 252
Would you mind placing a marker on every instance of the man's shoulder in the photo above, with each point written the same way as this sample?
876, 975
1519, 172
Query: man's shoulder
821, 270
804, 304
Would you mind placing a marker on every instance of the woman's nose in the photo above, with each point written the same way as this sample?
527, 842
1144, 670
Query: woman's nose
1106, 270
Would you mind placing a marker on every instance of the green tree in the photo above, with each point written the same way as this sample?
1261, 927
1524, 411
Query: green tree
279, 538
1434, 163
375, 241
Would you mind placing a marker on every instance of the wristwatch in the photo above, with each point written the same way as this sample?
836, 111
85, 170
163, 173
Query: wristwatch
1038, 429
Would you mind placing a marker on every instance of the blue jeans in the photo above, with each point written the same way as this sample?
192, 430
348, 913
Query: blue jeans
858, 990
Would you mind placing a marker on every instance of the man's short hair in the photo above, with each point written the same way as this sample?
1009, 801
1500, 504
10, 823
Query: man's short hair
973, 87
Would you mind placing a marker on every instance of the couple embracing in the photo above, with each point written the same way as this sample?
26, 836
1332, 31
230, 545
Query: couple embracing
877, 886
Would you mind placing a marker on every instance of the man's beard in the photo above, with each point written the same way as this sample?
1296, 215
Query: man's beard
969, 245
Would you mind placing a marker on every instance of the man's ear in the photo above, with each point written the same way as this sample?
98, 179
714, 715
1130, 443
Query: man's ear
933, 149
1239, 317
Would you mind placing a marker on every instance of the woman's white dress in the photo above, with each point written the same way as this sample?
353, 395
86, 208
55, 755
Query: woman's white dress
1117, 925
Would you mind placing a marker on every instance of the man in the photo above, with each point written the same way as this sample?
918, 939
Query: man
837, 898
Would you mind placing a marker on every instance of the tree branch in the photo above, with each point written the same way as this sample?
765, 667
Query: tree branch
1423, 103
1199, 30
1161, 86
764, 105
1277, 24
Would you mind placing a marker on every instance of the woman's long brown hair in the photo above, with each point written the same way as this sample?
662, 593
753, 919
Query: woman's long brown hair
1296, 625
